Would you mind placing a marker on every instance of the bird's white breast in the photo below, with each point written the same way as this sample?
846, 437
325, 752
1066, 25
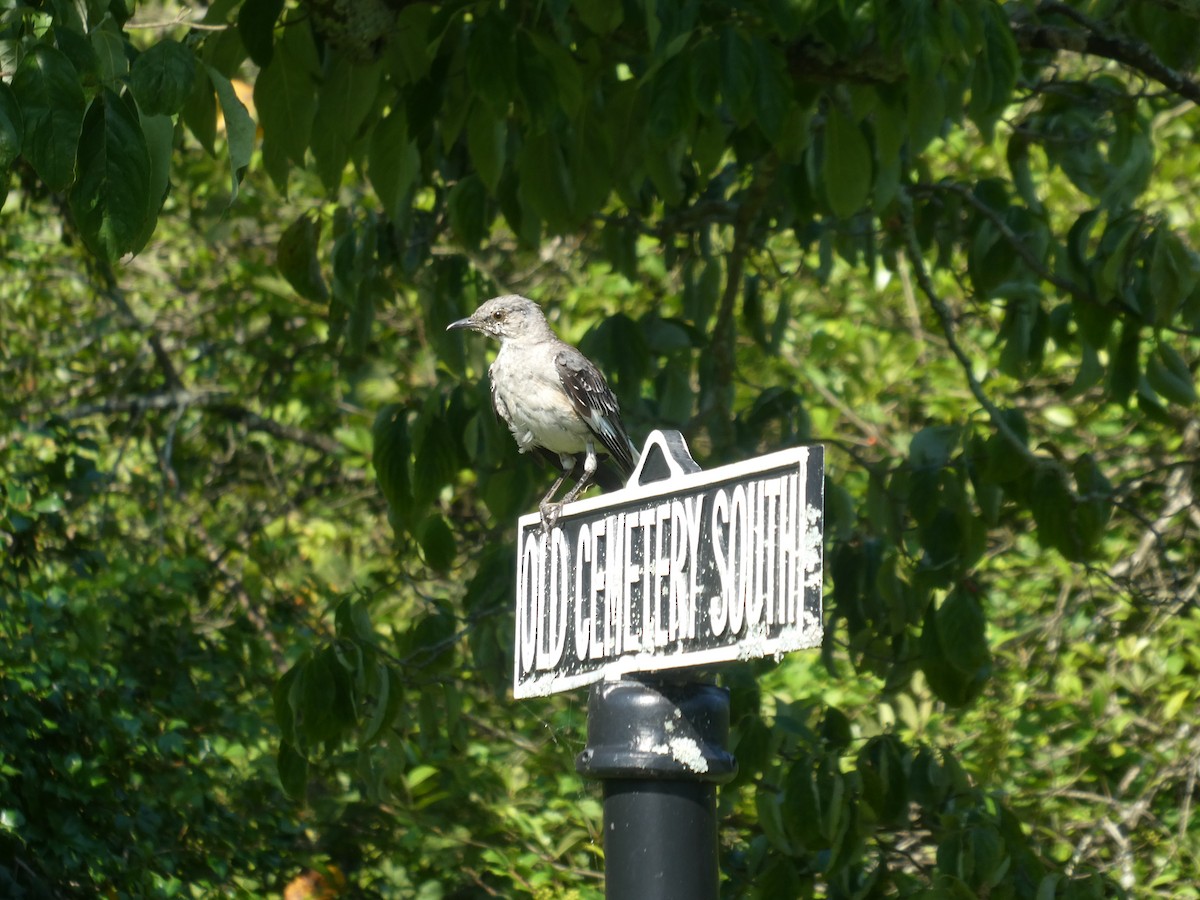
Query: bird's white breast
539, 413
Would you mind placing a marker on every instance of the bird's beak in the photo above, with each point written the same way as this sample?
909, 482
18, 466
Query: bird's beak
461, 323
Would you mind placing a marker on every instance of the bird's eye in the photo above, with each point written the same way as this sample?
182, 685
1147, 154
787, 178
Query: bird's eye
498, 315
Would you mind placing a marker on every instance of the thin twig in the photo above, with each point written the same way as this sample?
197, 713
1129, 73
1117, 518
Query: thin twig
215, 401
947, 321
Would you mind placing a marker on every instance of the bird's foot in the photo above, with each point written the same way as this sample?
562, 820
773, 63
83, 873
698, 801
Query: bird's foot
550, 513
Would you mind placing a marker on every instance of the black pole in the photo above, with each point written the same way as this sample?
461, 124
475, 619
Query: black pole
659, 747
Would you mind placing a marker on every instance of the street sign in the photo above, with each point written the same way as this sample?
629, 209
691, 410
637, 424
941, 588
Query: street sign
681, 568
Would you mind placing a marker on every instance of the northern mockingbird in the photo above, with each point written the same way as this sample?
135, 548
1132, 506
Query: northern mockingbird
551, 396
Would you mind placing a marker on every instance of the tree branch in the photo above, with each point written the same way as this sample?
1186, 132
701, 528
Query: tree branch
1094, 40
215, 401
947, 322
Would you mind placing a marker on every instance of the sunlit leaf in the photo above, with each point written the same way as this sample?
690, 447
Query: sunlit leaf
846, 170
240, 129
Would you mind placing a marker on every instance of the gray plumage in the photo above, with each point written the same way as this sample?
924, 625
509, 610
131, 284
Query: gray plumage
550, 395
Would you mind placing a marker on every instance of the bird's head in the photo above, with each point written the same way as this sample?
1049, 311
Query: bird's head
510, 316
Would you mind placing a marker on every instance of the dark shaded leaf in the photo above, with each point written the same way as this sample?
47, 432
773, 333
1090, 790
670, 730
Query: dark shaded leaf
285, 95
12, 127
1168, 374
296, 258
199, 111
467, 206
111, 198
437, 543
393, 163
47, 87
256, 25
486, 139
391, 458
344, 99
293, 770
162, 77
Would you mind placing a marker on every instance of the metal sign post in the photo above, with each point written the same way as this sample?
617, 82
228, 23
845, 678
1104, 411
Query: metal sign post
632, 592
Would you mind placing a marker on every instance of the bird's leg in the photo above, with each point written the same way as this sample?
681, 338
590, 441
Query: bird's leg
589, 469
551, 511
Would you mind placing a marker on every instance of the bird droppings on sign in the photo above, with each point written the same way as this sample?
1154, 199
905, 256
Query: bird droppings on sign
688, 753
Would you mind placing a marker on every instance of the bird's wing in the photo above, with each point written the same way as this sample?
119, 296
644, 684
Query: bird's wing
595, 403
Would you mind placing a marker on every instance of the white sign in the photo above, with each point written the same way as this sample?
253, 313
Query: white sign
694, 568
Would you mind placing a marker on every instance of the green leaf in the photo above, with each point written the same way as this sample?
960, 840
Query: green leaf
391, 457
344, 99
372, 291
199, 111
281, 698
846, 168
47, 87
601, 16
296, 259
962, 630
256, 25
1023, 332
383, 706
1053, 506
434, 460
285, 97
111, 197
78, 49
664, 164
393, 162
1123, 372
564, 72
163, 77
737, 74
486, 137
1090, 370
1173, 274
159, 133
996, 71
535, 81
293, 771
12, 127
1168, 374
467, 208
544, 184
109, 45
880, 766
770, 819
890, 129
437, 543
491, 63
926, 111
240, 129
670, 111
317, 713
950, 671
413, 43
1094, 504
772, 89
352, 621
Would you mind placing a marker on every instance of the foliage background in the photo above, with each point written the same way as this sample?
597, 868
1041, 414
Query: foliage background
255, 513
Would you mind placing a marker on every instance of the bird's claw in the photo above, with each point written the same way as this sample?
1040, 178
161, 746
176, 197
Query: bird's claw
550, 513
